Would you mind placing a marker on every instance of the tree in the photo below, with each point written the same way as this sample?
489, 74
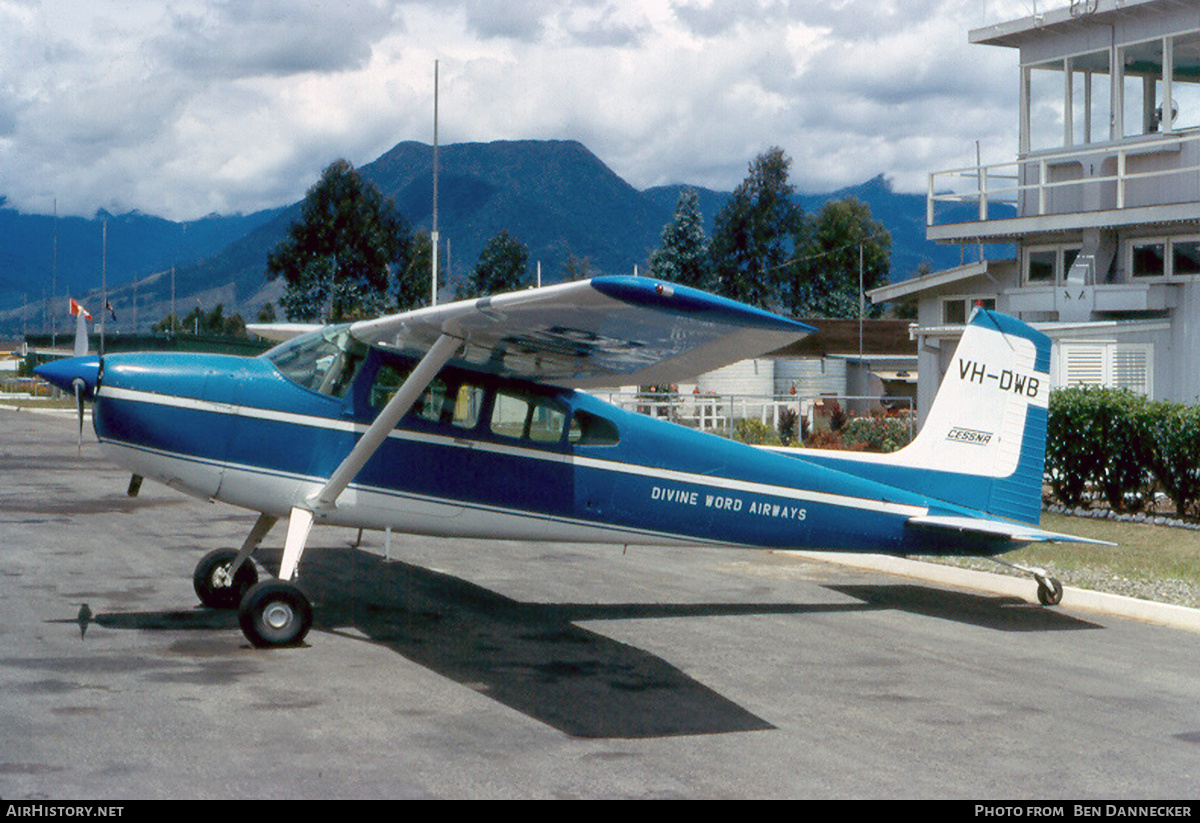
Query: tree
337, 257
755, 231
198, 321
414, 274
503, 266
683, 256
837, 248
576, 268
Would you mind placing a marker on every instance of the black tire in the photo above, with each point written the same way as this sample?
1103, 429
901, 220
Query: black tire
275, 613
212, 584
1050, 592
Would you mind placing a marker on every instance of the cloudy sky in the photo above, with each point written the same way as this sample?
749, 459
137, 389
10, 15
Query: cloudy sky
181, 108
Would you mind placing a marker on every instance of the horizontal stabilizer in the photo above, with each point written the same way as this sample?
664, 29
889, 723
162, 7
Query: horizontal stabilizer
996, 530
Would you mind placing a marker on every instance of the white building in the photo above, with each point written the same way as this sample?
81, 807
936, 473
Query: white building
1100, 209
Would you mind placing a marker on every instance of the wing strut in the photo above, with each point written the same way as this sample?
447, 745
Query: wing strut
301, 520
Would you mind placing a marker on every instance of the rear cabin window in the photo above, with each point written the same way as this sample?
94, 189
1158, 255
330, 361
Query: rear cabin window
523, 416
589, 429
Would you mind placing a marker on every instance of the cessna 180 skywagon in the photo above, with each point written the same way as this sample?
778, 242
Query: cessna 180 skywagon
469, 419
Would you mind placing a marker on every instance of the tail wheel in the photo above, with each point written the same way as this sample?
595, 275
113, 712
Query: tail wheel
213, 585
275, 613
1050, 591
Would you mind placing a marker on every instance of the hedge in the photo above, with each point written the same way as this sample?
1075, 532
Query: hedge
1116, 448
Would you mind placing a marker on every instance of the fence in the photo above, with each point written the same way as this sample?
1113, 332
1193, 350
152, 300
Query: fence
720, 413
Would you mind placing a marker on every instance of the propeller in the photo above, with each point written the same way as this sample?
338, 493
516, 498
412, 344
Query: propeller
79, 375
79, 386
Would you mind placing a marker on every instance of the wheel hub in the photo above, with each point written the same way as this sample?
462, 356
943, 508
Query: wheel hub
277, 615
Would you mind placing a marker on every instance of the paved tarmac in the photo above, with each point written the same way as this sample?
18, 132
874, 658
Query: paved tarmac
491, 669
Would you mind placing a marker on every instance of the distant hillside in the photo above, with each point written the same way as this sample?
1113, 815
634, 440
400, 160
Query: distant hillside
137, 244
555, 196
41, 255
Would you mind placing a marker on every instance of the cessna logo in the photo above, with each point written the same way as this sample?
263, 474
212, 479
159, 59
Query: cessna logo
1005, 379
961, 435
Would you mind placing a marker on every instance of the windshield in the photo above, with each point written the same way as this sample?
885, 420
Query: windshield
324, 361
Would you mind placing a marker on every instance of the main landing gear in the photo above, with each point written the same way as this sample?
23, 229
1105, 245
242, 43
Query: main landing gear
275, 613
272, 612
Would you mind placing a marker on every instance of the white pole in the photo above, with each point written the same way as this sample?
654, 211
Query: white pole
103, 280
434, 233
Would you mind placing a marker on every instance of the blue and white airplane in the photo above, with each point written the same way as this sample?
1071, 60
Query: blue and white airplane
470, 419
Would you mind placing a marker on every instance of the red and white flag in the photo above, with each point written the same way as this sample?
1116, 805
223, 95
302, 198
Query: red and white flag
78, 309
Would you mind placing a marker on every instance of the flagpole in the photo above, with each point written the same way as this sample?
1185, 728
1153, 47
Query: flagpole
103, 281
54, 283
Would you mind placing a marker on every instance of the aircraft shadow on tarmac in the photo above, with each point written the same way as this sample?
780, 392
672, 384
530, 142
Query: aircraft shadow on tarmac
534, 658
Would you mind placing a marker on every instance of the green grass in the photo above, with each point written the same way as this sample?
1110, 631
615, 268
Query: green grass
1156, 562
1143, 550
14, 402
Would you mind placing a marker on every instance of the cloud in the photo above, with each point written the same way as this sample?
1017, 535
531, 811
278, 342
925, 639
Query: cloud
245, 38
232, 105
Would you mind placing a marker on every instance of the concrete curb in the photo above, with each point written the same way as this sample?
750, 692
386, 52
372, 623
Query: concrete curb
1165, 614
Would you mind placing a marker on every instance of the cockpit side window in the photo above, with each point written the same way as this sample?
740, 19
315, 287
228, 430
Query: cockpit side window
324, 361
444, 401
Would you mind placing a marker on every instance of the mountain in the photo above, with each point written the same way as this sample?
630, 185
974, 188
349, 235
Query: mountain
557, 197
41, 255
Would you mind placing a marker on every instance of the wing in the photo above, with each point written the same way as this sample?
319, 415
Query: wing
279, 332
599, 332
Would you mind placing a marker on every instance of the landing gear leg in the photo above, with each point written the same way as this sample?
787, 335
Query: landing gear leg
1050, 590
276, 612
223, 576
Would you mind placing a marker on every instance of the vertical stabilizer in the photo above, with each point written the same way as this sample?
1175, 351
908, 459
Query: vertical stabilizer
81, 334
988, 421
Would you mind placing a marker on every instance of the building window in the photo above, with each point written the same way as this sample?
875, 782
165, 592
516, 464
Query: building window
1165, 257
956, 311
1049, 264
1041, 265
1107, 363
1148, 258
1185, 257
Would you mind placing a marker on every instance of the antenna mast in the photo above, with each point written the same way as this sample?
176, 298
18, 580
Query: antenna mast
434, 234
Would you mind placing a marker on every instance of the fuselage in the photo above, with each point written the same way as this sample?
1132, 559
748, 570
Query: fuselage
480, 456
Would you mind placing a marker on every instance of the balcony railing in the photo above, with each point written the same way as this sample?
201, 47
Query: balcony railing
1161, 170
